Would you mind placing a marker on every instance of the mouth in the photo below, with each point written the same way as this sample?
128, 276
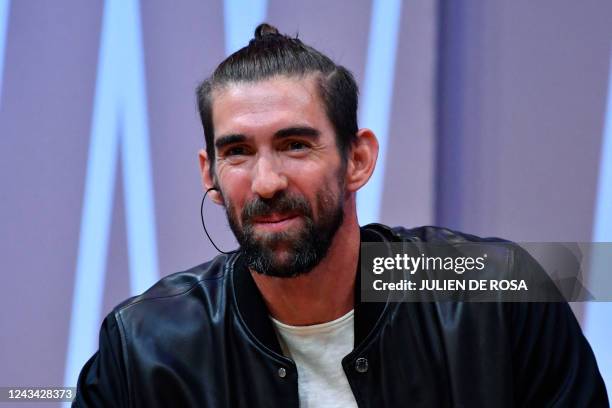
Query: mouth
275, 222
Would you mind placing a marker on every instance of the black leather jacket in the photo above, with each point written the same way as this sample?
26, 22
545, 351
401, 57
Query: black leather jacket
203, 338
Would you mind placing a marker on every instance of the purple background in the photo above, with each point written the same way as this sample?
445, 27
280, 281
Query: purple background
496, 129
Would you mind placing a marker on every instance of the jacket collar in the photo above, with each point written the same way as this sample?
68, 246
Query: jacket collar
254, 311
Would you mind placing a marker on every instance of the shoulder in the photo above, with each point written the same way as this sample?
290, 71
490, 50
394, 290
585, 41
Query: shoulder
503, 256
171, 321
431, 234
432, 238
442, 236
200, 288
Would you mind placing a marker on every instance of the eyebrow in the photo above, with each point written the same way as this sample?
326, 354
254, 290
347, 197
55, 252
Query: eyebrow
306, 131
297, 131
229, 139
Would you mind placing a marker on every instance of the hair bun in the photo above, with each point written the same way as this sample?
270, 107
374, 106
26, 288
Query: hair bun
265, 29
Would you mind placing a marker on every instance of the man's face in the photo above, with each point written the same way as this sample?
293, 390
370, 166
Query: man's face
279, 171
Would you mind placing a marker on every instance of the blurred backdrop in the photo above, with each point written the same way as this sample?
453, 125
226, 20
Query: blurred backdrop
494, 118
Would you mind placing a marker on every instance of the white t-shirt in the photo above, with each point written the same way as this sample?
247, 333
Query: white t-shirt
318, 351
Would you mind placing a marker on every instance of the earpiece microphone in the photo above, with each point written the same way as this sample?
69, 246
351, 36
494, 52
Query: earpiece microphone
204, 225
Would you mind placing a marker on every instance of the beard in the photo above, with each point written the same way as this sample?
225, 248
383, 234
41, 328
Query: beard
293, 252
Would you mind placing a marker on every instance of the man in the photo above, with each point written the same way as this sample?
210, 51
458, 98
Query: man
280, 322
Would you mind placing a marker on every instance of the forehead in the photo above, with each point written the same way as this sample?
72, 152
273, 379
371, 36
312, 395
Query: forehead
271, 103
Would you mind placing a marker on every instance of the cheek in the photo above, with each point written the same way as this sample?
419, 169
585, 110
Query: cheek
326, 195
235, 187
233, 178
316, 177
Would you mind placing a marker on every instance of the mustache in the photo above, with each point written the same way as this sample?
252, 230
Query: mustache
282, 203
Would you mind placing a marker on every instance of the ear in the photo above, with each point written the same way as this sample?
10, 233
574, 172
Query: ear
361, 160
207, 180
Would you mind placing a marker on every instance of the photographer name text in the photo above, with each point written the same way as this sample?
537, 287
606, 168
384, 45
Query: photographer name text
453, 285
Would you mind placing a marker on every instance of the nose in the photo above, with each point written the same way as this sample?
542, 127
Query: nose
267, 179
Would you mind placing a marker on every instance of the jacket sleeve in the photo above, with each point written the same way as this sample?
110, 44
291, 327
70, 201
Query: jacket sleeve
553, 362
103, 380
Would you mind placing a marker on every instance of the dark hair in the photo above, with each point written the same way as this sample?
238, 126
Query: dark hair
270, 54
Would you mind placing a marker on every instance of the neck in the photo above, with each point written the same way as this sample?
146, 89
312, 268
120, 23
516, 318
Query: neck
323, 294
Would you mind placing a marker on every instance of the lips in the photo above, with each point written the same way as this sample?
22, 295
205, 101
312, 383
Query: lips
273, 218
274, 223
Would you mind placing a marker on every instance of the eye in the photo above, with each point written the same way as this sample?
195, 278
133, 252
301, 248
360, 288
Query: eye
296, 145
235, 151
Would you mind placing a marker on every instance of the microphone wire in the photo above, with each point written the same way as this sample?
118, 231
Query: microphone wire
204, 225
